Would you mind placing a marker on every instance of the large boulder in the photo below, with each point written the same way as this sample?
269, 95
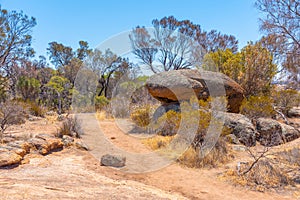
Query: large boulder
240, 126
273, 133
177, 85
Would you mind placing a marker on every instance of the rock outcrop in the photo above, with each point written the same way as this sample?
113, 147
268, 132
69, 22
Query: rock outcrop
45, 143
241, 127
8, 158
177, 85
273, 133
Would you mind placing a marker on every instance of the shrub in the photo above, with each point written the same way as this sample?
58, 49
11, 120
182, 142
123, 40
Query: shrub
258, 106
101, 102
168, 124
265, 175
267, 170
71, 127
101, 115
290, 156
196, 158
11, 112
29, 88
141, 116
35, 109
286, 99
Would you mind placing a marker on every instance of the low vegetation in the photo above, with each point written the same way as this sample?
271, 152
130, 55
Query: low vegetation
10, 113
209, 158
70, 126
267, 170
258, 106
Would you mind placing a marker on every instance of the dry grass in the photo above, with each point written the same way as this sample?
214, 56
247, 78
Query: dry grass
141, 116
71, 127
279, 171
197, 158
158, 141
101, 115
51, 119
263, 176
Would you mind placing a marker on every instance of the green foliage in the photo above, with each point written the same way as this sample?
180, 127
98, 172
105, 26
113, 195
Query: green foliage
252, 68
258, 69
58, 83
286, 99
101, 102
226, 62
258, 106
15, 38
59, 90
29, 88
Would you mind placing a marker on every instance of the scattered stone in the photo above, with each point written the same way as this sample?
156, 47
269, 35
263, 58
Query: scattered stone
81, 145
51, 113
60, 118
8, 158
294, 112
273, 133
67, 140
238, 148
34, 118
177, 85
44, 136
241, 126
113, 160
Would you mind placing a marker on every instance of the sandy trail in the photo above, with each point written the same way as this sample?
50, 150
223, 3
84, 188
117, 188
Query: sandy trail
191, 183
77, 174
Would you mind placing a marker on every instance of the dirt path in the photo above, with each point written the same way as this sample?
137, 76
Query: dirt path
191, 183
77, 174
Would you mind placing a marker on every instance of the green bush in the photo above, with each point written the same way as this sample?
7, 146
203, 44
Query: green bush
191, 120
258, 106
101, 102
29, 88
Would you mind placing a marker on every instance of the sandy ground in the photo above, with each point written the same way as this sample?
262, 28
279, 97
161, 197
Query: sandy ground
77, 174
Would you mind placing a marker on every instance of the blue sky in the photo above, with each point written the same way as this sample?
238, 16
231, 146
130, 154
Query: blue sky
68, 21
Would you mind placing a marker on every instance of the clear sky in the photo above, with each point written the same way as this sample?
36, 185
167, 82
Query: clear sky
68, 21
